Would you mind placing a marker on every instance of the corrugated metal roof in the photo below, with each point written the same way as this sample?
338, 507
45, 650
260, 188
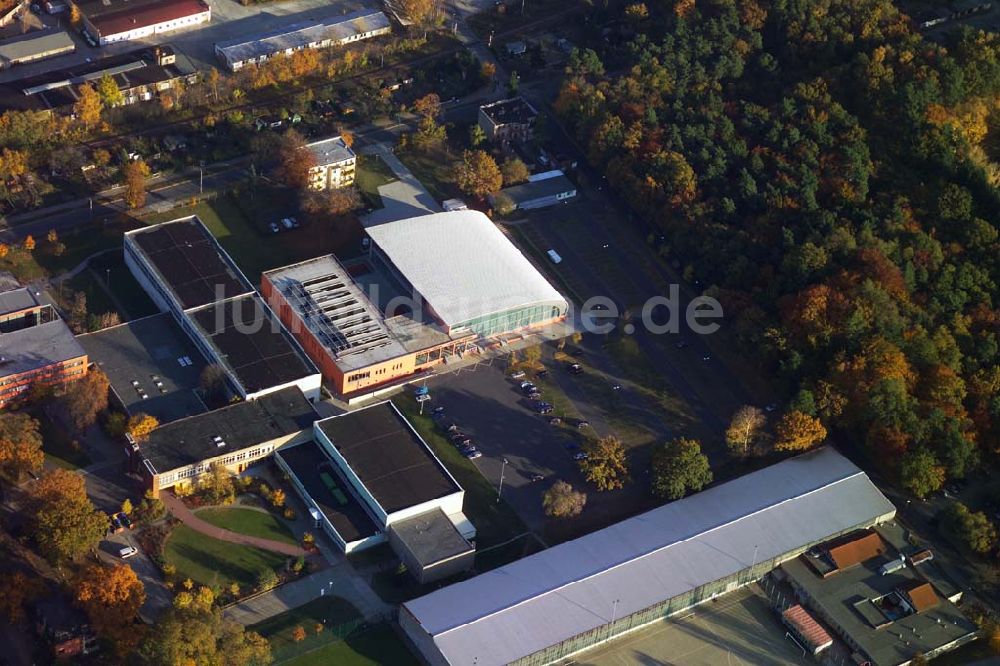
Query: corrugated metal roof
570, 589
809, 629
35, 45
462, 265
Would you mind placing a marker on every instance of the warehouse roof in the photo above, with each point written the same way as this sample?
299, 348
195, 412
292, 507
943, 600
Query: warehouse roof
476, 270
35, 44
538, 189
335, 27
190, 262
567, 590
240, 426
388, 456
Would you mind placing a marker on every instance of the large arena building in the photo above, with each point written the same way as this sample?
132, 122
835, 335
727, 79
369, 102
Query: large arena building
566, 599
431, 289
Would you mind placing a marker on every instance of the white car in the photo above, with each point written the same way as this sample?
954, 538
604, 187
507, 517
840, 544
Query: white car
127, 552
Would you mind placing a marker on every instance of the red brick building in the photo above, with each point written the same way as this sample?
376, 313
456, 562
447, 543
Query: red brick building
35, 346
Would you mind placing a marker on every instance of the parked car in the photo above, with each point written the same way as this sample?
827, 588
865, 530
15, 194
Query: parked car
124, 520
535, 478
519, 374
274, 227
437, 411
616, 387
535, 396
294, 222
116, 525
554, 420
580, 455
127, 552
286, 222
464, 440
472, 454
575, 369
542, 374
583, 424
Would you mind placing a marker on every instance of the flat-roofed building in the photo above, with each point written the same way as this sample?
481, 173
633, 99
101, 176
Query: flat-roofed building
886, 613
335, 164
541, 191
234, 436
35, 46
320, 32
374, 460
111, 21
545, 607
509, 120
36, 347
432, 288
187, 273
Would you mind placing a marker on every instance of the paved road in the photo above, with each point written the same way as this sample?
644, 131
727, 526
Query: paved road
340, 580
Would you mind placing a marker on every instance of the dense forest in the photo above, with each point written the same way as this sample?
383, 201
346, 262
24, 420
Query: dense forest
827, 173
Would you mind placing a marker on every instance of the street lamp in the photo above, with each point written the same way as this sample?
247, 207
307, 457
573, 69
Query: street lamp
503, 466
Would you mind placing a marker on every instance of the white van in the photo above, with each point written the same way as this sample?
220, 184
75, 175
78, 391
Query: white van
554, 256
127, 552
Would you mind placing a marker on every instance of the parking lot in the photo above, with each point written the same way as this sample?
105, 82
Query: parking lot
490, 407
738, 628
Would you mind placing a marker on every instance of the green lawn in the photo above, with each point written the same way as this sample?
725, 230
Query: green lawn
371, 173
246, 238
250, 522
374, 647
212, 562
435, 170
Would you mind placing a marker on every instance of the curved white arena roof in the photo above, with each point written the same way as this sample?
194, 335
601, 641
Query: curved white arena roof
544, 599
462, 265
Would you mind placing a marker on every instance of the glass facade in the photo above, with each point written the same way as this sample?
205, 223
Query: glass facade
499, 323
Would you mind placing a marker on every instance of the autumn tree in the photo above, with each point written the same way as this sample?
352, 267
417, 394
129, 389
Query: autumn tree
65, 523
85, 398
798, 432
111, 596
217, 484
294, 161
562, 501
744, 430
299, 634
921, 473
488, 71
20, 444
331, 203
28, 243
679, 467
197, 636
140, 425
972, 529
88, 106
135, 173
109, 92
636, 11
420, 12
605, 465
514, 171
478, 174
17, 589
428, 106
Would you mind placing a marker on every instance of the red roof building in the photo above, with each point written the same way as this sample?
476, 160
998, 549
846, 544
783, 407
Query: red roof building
807, 629
110, 21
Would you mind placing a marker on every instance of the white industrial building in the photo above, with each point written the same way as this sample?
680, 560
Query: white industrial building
568, 598
320, 32
187, 273
112, 21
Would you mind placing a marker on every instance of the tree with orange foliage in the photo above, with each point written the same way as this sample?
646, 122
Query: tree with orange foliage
299, 634
140, 425
66, 524
29, 243
20, 444
111, 596
16, 590
798, 432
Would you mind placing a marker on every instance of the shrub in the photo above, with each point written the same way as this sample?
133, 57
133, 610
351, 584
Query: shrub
289, 513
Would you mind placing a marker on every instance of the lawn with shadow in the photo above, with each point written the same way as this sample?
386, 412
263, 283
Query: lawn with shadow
213, 562
250, 522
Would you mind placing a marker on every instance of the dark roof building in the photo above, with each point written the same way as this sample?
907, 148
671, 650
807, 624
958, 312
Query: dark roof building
234, 436
388, 457
509, 119
35, 46
141, 75
187, 273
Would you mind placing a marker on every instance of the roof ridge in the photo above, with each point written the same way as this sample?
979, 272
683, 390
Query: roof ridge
650, 552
